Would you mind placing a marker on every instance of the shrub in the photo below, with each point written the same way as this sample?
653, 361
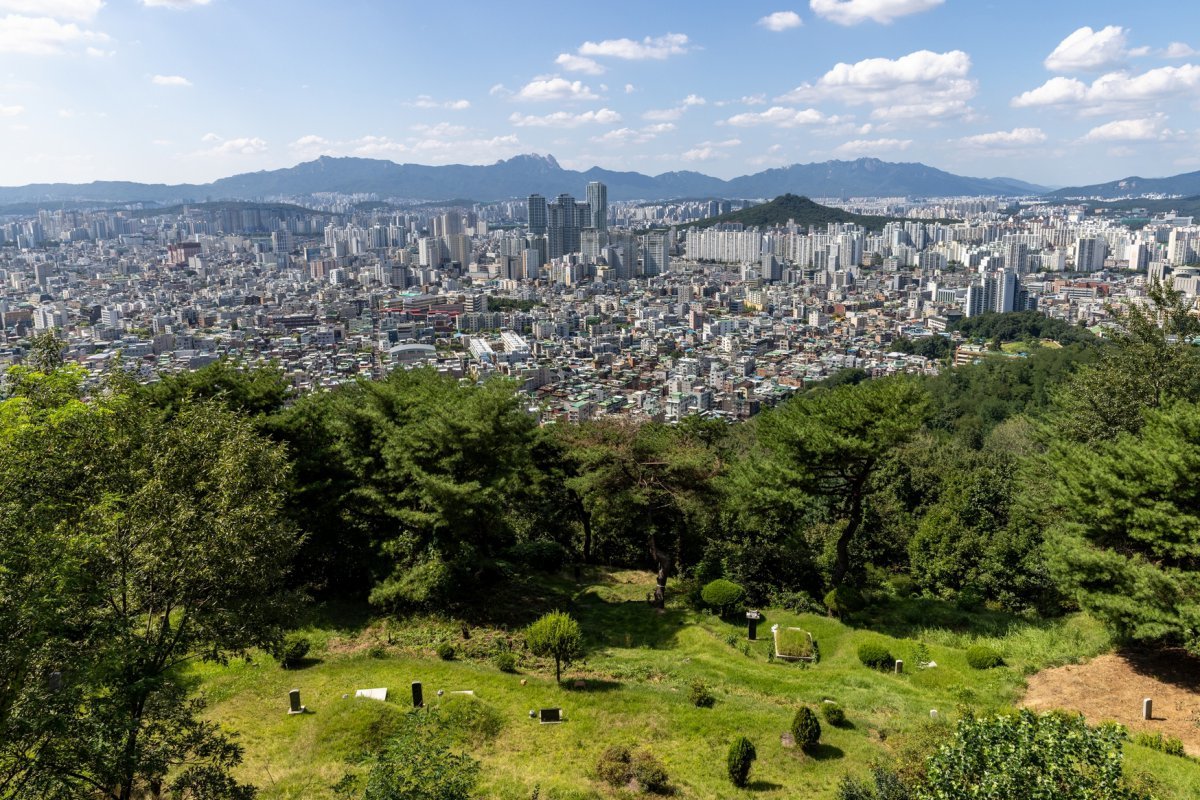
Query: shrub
805, 728
649, 772
981, 656
903, 585
506, 662
741, 756
875, 656
732, 640
796, 602
292, 650
538, 555
844, 600
700, 695
1170, 745
833, 714
722, 596
614, 765
445, 651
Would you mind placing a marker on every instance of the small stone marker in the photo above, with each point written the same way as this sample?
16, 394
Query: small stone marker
372, 694
470, 692
550, 715
441, 692
933, 713
752, 618
787, 740
294, 706
417, 694
899, 666
1147, 709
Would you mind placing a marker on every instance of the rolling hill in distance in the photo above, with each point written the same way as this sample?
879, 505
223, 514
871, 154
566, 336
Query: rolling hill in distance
526, 174
789, 207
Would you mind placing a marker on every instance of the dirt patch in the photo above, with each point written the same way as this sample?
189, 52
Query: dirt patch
1112, 687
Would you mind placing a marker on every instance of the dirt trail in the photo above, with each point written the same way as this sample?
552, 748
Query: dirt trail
1112, 687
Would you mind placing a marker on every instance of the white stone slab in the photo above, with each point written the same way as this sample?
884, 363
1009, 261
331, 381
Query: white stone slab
372, 694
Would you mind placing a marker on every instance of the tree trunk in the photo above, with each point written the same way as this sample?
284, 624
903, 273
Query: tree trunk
659, 600
854, 516
557, 670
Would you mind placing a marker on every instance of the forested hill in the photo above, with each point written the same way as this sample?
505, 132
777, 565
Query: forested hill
793, 208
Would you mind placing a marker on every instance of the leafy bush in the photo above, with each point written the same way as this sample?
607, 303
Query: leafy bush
292, 650
844, 600
983, 657
834, 714
506, 662
419, 763
538, 555
875, 656
649, 772
618, 766
796, 602
732, 640
700, 695
741, 757
903, 585
887, 786
806, 728
614, 765
445, 651
1170, 745
722, 596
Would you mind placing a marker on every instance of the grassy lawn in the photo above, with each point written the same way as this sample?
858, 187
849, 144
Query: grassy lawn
639, 666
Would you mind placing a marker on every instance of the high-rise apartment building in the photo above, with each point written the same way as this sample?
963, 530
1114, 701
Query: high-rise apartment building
597, 200
537, 214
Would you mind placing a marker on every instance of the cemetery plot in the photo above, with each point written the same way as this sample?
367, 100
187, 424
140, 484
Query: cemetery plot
794, 644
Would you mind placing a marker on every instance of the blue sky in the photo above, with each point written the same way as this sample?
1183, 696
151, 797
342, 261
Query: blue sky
1055, 91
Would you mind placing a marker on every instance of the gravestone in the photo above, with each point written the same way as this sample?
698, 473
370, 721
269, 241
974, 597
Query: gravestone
899, 666
372, 694
550, 715
1147, 709
418, 695
294, 706
752, 618
933, 713
787, 740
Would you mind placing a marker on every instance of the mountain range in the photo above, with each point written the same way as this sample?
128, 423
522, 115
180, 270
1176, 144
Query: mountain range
1185, 185
526, 174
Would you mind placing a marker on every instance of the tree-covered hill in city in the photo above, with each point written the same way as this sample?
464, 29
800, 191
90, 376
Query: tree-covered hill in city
792, 208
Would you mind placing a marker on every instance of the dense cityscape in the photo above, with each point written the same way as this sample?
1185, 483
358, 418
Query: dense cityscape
595, 309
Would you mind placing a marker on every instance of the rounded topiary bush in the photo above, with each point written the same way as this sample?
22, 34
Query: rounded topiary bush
614, 765
292, 650
844, 600
649, 772
875, 656
506, 662
980, 656
741, 757
834, 714
805, 728
722, 596
445, 651
700, 695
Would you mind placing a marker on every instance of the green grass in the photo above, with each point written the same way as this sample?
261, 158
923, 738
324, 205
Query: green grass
639, 666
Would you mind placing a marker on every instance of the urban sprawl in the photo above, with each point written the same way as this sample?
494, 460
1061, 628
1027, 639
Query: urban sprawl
594, 308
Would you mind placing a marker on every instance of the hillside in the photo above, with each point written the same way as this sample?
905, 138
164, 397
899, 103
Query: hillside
525, 174
1184, 185
790, 207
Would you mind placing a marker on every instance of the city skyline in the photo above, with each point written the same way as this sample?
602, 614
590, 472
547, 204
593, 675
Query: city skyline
194, 90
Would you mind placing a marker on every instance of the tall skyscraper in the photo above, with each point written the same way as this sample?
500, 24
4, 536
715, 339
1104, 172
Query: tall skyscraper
537, 214
563, 220
597, 198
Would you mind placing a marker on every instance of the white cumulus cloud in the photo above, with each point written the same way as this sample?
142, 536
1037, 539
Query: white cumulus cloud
1147, 129
941, 82
651, 47
565, 119
1114, 90
11, 111
1179, 50
781, 21
43, 36
852, 12
778, 116
176, 4
1017, 137
177, 81
574, 63
243, 145
555, 88
1086, 50
59, 9
425, 101
864, 147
